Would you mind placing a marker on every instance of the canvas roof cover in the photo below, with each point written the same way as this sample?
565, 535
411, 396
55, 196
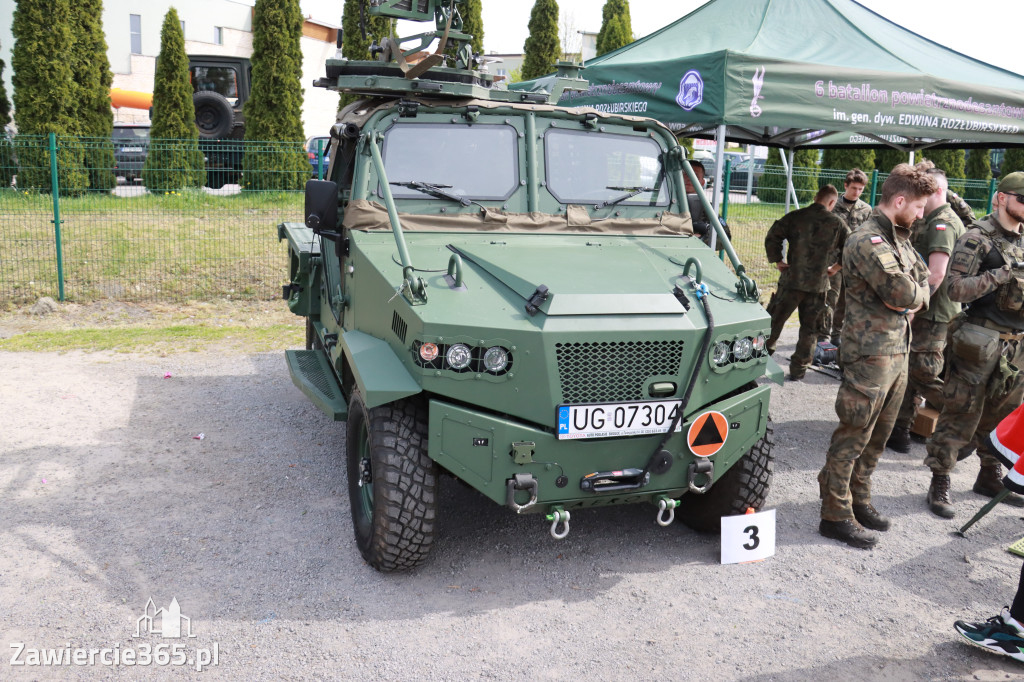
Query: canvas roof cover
805, 72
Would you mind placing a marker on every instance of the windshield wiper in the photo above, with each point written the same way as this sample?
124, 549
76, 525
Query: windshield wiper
630, 193
433, 190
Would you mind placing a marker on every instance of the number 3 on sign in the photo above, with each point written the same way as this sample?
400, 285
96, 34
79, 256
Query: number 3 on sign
748, 537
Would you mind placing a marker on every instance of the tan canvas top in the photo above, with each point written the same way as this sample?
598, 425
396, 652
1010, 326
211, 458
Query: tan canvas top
364, 215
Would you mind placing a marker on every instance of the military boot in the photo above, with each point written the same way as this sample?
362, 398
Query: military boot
850, 532
869, 517
990, 483
899, 439
939, 500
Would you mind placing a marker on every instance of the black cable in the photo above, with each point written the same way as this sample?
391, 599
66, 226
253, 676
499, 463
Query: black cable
705, 346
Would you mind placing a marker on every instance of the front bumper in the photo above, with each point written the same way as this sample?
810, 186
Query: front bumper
486, 451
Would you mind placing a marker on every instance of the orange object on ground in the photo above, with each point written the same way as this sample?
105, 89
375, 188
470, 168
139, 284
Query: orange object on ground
130, 98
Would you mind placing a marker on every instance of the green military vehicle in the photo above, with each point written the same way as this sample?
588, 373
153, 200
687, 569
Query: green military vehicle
509, 292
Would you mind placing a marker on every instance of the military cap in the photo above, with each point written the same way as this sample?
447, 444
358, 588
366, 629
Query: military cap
1014, 183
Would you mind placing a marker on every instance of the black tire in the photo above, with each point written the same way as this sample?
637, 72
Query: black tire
743, 486
394, 514
214, 116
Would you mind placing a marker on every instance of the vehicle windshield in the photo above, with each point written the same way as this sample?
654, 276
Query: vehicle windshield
592, 168
131, 134
472, 162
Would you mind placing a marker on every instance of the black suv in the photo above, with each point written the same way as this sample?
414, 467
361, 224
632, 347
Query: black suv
131, 144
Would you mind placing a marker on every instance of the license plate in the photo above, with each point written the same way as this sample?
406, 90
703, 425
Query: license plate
612, 420
132, 150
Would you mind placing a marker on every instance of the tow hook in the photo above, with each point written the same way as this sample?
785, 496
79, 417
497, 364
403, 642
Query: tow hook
700, 467
556, 517
666, 505
521, 482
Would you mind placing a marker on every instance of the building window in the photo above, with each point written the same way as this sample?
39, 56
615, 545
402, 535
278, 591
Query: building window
218, 35
135, 26
182, 27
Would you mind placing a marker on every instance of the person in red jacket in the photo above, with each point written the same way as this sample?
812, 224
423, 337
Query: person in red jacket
1003, 633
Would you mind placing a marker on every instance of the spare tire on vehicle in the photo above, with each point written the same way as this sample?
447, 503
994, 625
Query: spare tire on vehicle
214, 116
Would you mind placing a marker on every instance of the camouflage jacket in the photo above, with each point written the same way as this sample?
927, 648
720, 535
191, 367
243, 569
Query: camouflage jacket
853, 214
978, 268
962, 209
938, 232
880, 267
814, 235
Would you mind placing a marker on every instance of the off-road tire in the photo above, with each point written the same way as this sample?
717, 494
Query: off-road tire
745, 485
394, 515
214, 116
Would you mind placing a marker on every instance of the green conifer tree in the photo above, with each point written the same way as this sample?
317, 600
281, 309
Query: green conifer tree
886, 159
846, 159
174, 161
771, 187
7, 168
805, 175
44, 95
273, 112
92, 78
355, 15
1013, 161
952, 161
616, 26
542, 49
979, 172
473, 23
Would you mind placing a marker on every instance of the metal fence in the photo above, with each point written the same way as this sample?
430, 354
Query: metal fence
114, 238
104, 235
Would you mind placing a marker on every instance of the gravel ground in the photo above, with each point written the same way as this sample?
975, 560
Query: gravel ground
108, 499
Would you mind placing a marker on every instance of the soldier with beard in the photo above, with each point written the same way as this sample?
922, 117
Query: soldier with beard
886, 281
983, 382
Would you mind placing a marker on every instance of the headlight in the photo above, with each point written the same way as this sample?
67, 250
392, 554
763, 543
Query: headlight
759, 344
495, 359
742, 348
428, 351
458, 356
721, 353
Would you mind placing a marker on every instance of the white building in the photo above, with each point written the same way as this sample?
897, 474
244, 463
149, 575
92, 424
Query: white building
221, 27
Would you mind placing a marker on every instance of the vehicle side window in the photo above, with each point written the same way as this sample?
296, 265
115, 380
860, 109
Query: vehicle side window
220, 79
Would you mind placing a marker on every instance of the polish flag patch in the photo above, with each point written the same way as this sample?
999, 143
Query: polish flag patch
876, 240
940, 226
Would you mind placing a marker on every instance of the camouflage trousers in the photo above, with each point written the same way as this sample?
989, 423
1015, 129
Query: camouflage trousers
981, 388
924, 368
866, 404
834, 313
809, 305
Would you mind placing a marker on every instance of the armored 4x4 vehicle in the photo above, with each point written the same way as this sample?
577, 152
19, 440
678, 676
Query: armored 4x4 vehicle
510, 292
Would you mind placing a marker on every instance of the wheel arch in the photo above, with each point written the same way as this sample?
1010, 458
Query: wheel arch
378, 372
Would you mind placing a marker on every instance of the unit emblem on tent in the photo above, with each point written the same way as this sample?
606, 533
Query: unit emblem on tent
691, 91
758, 81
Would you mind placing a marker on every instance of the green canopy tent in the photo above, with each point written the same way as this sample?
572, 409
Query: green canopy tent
804, 73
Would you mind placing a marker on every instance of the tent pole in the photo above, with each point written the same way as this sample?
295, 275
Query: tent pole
716, 197
911, 162
750, 172
789, 181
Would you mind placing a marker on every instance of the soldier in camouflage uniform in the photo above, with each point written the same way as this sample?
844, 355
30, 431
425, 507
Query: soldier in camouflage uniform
814, 236
885, 282
986, 341
854, 212
934, 237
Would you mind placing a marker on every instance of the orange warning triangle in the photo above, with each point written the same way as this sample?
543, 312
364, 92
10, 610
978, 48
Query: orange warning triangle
707, 434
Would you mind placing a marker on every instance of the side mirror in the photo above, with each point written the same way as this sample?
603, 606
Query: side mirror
322, 206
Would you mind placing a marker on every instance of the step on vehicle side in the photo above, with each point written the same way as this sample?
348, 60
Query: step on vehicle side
510, 293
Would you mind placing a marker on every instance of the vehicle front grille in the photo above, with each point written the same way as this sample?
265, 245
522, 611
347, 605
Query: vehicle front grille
613, 371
